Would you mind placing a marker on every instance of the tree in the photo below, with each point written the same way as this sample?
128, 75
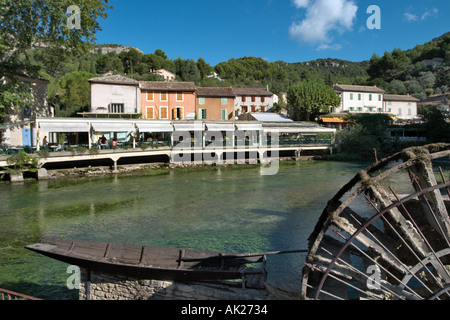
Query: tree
397, 87
204, 68
73, 93
309, 97
368, 132
28, 24
436, 127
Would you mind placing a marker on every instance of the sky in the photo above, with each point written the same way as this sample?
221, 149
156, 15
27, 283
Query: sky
275, 30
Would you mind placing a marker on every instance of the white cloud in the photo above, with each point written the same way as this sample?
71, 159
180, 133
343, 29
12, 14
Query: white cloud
325, 46
410, 16
323, 17
414, 17
429, 13
301, 3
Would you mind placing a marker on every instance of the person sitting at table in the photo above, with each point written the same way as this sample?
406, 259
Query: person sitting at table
114, 143
103, 140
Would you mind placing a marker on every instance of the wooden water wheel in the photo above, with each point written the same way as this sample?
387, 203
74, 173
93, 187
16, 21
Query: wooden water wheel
386, 233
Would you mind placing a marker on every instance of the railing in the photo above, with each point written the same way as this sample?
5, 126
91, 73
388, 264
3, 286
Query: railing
11, 295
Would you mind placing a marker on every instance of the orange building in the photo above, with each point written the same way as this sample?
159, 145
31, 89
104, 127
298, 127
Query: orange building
215, 103
168, 100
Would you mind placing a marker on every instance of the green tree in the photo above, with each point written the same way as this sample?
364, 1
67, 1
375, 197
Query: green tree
204, 68
367, 134
436, 127
73, 93
308, 98
27, 24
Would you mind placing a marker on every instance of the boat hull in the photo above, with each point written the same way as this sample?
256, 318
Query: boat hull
146, 262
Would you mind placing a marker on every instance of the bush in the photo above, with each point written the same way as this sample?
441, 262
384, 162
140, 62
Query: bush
22, 161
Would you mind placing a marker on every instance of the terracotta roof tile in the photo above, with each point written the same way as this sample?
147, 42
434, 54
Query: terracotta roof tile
168, 85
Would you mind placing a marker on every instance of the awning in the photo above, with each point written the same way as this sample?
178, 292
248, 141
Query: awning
249, 126
300, 130
69, 126
220, 126
154, 127
333, 120
188, 127
111, 126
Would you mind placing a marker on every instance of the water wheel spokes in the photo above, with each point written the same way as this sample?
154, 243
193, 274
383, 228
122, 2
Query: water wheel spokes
386, 234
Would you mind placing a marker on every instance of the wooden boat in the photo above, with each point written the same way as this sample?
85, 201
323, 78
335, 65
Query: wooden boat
147, 262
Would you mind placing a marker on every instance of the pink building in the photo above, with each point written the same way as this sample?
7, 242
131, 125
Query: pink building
168, 100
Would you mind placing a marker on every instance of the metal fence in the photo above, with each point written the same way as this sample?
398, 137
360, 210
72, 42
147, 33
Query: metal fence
11, 295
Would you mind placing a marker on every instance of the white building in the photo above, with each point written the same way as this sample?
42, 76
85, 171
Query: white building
115, 96
403, 107
18, 129
252, 100
166, 74
359, 99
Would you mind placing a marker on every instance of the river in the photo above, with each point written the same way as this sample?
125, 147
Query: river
231, 209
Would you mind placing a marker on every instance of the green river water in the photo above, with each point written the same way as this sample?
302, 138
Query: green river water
232, 209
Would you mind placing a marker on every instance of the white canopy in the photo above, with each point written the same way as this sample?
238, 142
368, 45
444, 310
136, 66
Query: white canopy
188, 126
220, 126
249, 126
62, 126
113, 126
300, 130
154, 127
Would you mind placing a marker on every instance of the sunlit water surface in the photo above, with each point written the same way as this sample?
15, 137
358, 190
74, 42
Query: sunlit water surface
222, 209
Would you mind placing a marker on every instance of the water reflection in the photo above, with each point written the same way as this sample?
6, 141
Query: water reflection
224, 209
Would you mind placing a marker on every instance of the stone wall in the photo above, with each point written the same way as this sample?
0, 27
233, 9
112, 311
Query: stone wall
112, 287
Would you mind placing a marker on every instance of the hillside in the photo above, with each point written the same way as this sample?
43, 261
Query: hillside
420, 71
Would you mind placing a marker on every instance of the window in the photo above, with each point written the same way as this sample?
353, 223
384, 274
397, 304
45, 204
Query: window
399, 111
253, 98
117, 90
116, 108
179, 96
360, 109
370, 97
178, 113
263, 109
351, 96
150, 96
253, 108
201, 100
352, 109
163, 96
224, 114
359, 96
224, 101
389, 109
380, 110
243, 98
244, 109
379, 97
163, 112
27, 112
150, 113
263, 99
409, 111
202, 113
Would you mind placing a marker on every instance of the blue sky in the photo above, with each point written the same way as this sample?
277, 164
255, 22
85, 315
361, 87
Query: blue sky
287, 30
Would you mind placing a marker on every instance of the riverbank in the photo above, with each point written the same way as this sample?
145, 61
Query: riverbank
145, 169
